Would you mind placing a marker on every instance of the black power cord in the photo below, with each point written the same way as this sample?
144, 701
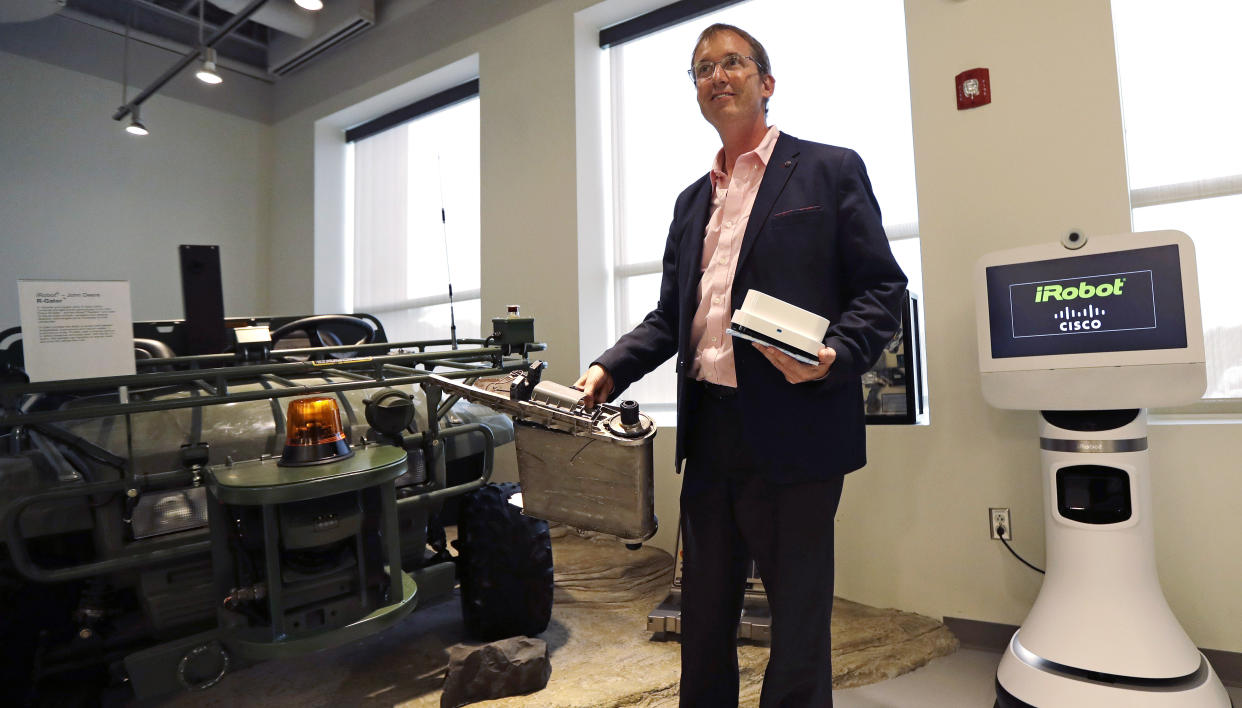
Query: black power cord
1000, 532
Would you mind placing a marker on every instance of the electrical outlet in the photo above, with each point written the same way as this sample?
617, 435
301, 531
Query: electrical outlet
1000, 518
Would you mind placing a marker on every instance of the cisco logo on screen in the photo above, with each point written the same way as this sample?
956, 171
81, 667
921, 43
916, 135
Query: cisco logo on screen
1084, 320
1083, 305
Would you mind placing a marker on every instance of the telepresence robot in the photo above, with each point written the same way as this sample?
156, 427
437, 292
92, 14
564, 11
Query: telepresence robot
1091, 334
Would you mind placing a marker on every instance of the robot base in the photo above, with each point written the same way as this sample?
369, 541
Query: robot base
1026, 681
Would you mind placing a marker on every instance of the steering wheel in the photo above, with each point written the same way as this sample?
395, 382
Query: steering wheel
328, 330
152, 349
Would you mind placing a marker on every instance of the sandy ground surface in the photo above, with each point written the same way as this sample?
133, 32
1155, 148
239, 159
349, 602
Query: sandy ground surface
601, 652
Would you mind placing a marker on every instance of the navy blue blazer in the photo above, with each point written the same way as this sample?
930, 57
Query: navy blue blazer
815, 240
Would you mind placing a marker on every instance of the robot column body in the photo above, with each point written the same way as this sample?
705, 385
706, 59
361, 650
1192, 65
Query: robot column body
1100, 632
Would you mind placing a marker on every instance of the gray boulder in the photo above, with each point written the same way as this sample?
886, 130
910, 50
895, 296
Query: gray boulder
508, 667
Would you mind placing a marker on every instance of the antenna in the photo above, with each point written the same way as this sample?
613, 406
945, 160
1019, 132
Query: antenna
447, 266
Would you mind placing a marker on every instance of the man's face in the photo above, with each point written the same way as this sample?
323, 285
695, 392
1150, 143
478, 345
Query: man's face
731, 99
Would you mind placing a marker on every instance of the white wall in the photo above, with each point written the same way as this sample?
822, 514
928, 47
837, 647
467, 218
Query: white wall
79, 198
1045, 157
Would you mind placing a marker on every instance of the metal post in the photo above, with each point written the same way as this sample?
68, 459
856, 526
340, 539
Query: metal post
388, 510
275, 588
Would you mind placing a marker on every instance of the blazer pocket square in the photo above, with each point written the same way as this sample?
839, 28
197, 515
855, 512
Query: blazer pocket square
793, 216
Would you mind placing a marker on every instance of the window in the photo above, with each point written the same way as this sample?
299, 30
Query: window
1179, 66
404, 255
853, 91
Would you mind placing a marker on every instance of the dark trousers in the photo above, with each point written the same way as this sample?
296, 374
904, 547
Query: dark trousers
730, 513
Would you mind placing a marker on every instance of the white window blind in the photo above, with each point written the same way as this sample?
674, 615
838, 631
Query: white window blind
1179, 66
403, 254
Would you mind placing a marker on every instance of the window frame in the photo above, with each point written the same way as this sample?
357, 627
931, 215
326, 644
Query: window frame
358, 131
331, 153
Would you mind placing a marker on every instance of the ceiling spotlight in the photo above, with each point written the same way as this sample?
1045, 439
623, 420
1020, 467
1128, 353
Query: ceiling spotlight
135, 126
312, 5
207, 72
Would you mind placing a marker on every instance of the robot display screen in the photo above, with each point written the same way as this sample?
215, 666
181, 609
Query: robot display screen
1105, 302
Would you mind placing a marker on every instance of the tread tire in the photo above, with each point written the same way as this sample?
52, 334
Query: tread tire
504, 565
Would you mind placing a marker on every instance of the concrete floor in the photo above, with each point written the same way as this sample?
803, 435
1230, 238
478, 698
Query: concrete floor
964, 679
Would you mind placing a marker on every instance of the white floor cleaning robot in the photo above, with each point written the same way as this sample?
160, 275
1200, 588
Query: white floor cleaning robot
1092, 332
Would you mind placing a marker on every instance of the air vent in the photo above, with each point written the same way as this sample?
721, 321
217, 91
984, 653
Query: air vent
336, 24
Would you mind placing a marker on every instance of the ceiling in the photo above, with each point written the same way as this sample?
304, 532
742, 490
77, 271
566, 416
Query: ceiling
262, 52
276, 39
178, 22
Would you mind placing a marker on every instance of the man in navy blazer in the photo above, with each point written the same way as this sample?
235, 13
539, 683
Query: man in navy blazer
766, 439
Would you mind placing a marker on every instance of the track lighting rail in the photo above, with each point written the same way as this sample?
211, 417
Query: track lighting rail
188, 59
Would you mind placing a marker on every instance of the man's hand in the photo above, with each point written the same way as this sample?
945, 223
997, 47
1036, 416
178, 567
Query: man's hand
596, 383
794, 370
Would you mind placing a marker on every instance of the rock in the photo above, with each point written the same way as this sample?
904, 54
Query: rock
599, 570
508, 667
870, 645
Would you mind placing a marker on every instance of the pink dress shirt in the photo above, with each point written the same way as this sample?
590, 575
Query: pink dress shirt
732, 198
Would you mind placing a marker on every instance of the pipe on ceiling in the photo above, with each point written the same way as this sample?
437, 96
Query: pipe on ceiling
164, 43
280, 15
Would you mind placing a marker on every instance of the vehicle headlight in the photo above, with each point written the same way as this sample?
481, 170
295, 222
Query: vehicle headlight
159, 513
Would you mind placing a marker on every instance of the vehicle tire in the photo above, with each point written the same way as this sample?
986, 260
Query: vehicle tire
504, 565
31, 609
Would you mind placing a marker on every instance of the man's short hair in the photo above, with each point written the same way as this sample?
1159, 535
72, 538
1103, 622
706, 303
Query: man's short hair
757, 52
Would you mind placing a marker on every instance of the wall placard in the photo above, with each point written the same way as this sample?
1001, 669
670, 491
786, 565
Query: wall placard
75, 329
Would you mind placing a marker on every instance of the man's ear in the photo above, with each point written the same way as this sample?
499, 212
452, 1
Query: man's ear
769, 85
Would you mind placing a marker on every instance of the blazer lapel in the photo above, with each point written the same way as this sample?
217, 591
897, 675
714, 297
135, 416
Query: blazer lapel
780, 168
691, 255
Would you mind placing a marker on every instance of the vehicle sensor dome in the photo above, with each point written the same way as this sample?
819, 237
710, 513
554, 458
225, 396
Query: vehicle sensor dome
313, 434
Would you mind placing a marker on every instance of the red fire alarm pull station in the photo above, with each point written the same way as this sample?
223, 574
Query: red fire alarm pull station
973, 89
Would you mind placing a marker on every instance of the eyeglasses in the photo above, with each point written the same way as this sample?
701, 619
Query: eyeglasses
731, 63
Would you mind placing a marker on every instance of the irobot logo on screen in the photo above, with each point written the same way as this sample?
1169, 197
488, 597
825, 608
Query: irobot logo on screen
1044, 293
1109, 302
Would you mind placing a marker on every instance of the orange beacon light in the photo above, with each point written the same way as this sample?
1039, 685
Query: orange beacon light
313, 433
